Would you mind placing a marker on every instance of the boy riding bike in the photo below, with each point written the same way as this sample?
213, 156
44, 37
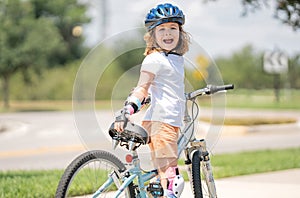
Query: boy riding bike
162, 76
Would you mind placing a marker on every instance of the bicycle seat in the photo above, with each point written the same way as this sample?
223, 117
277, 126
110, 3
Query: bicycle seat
132, 132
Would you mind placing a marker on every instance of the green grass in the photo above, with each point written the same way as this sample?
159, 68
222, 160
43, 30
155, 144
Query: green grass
44, 183
54, 105
263, 99
250, 121
29, 183
257, 99
244, 163
237, 98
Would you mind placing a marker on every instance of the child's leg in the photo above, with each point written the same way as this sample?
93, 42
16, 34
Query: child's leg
163, 143
167, 173
163, 148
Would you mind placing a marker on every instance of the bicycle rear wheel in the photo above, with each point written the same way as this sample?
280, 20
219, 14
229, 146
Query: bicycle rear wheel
202, 181
88, 172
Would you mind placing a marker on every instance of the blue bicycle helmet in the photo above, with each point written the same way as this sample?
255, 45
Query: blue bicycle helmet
164, 13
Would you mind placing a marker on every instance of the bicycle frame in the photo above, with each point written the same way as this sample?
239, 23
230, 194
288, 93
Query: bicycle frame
136, 173
190, 145
186, 142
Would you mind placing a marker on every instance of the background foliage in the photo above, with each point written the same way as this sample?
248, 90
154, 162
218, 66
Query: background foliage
243, 68
35, 35
37, 47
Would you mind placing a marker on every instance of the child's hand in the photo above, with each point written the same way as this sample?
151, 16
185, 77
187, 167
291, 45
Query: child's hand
122, 119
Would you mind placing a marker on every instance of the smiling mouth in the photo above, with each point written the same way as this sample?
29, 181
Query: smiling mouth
168, 41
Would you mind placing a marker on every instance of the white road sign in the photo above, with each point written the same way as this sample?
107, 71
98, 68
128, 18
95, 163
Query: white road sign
275, 62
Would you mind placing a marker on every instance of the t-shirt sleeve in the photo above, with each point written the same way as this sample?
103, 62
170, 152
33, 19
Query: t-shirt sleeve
151, 64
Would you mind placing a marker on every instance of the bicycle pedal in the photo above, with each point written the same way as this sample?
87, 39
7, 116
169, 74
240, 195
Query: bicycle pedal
155, 189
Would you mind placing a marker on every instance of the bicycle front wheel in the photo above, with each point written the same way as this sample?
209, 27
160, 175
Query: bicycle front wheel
88, 172
202, 181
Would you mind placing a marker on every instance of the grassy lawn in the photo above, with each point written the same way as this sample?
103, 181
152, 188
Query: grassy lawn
263, 99
250, 121
50, 105
238, 98
259, 99
244, 163
44, 183
29, 183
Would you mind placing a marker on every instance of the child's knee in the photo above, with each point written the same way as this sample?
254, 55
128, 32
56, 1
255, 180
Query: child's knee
163, 164
175, 182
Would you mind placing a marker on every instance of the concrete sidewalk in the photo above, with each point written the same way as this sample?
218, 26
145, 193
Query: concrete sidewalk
265, 185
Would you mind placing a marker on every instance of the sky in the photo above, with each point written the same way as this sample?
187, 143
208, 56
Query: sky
217, 26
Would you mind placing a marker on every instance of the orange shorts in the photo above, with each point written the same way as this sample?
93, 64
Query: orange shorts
163, 143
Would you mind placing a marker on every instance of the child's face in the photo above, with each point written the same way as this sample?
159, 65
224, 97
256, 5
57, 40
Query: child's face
167, 35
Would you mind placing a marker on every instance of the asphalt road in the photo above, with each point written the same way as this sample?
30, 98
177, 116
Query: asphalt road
43, 140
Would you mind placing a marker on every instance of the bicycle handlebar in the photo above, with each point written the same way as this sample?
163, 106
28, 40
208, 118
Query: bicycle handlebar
214, 89
210, 89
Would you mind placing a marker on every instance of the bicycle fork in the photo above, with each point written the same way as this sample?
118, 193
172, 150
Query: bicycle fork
200, 145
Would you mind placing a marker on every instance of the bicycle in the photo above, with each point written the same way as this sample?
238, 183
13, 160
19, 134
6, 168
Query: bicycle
107, 176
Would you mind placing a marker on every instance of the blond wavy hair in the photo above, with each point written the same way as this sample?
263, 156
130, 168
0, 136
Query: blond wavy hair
181, 48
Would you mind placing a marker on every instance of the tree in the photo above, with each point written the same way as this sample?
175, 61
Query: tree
244, 69
287, 11
26, 43
66, 15
38, 33
294, 72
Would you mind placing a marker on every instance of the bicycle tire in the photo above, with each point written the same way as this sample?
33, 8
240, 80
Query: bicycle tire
200, 188
83, 176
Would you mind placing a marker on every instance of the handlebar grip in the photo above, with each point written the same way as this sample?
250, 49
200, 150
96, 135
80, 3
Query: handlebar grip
213, 89
227, 87
210, 89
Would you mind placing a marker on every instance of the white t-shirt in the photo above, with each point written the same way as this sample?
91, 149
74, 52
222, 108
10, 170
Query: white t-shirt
167, 89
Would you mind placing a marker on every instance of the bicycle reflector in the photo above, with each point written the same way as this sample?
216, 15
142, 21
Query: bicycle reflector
128, 158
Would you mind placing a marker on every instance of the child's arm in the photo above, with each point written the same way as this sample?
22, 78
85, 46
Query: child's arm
141, 91
135, 99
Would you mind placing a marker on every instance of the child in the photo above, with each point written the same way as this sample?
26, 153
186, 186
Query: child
161, 75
